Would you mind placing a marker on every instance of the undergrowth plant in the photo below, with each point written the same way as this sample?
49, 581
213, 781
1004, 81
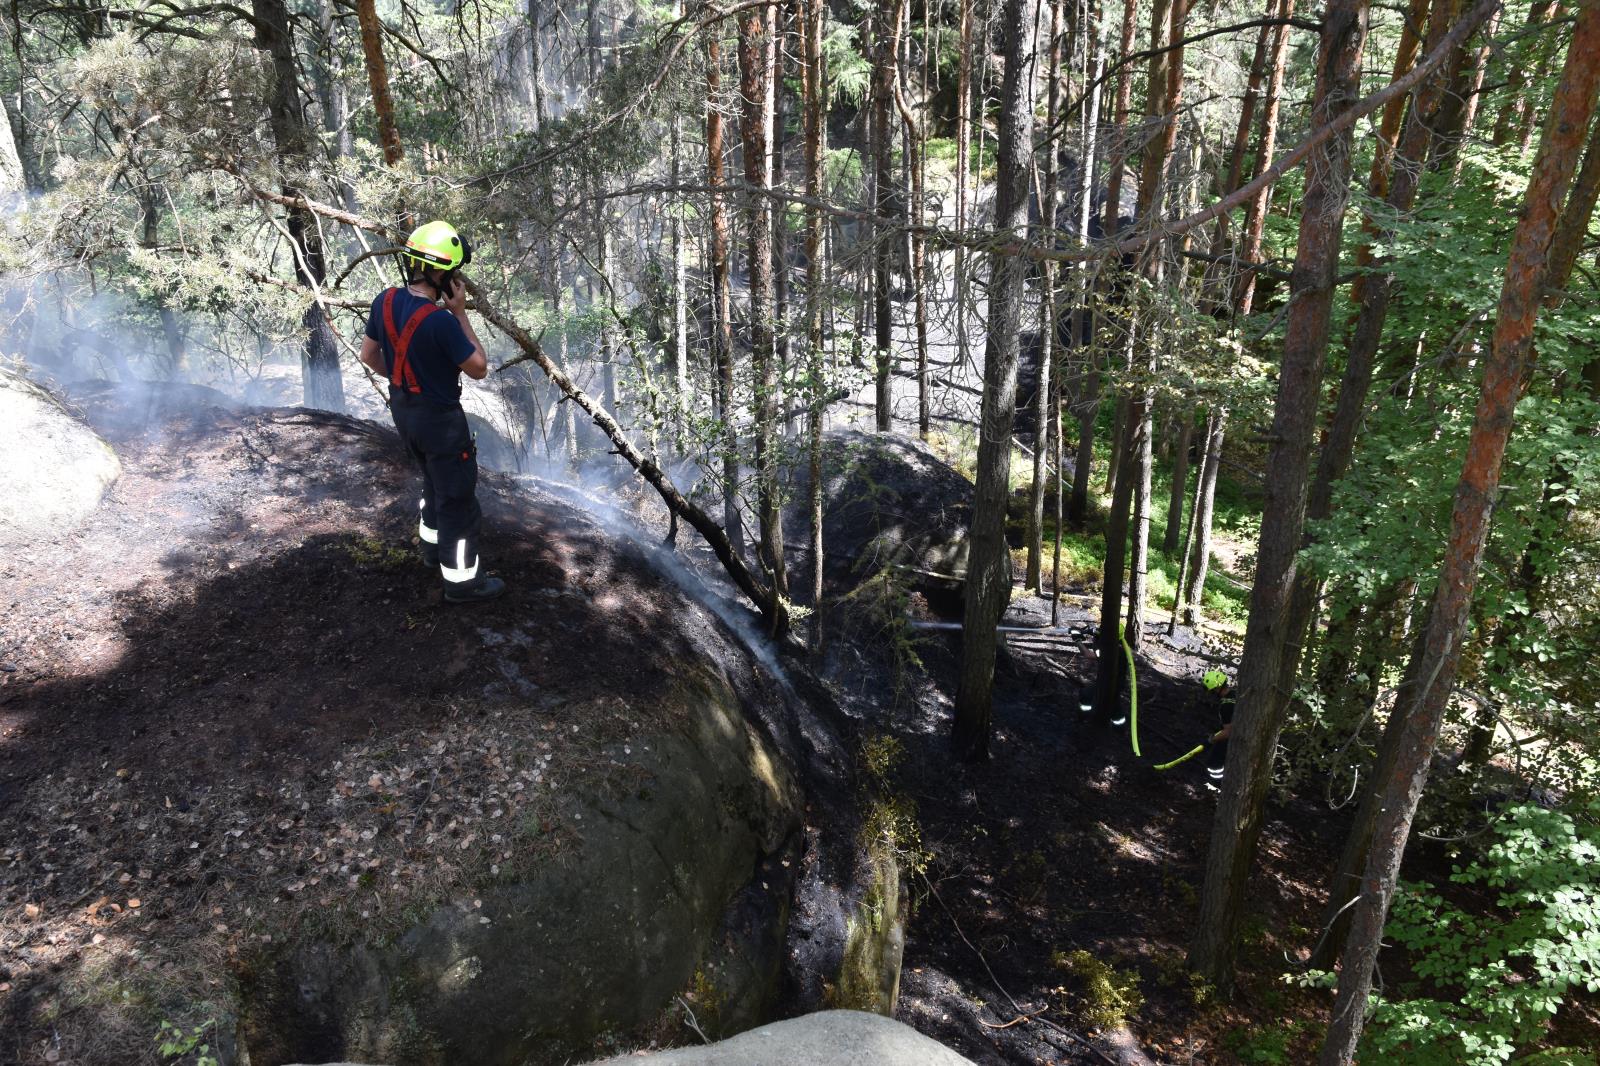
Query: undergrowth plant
175, 1043
1487, 985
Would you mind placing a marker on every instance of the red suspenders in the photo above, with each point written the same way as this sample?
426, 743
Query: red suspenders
401, 376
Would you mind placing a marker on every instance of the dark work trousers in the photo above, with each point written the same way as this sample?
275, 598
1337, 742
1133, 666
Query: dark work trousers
440, 443
1217, 751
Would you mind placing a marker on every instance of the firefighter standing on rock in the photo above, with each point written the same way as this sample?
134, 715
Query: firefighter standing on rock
423, 353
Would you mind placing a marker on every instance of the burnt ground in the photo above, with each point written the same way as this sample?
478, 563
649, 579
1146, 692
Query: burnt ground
234, 703
1063, 840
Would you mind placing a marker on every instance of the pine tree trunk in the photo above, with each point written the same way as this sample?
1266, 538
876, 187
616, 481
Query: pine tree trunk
1255, 732
1561, 260
1431, 674
916, 241
1180, 481
1338, 443
815, 116
755, 86
1119, 124
1205, 492
378, 80
177, 353
1034, 577
782, 348
1139, 479
319, 361
1087, 398
335, 101
988, 585
1255, 217
1132, 490
19, 165
682, 398
541, 108
722, 299
1512, 117
1480, 71
886, 34
963, 166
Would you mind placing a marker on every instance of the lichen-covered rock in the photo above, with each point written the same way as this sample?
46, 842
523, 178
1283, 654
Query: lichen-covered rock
828, 1038
56, 469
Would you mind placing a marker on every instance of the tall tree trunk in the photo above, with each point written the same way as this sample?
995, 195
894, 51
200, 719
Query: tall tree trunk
335, 100
19, 164
1087, 393
319, 362
756, 55
916, 167
813, 110
886, 29
682, 396
177, 348
1034, 576
963, 166
1338, 443
780, 232
1119, 116
378, 79
722, 298
1255, 217
1132, 491
988, 586
1513, 117
601, 291
1431, 674
1205, 493
1110, 225
541, 108
1480, 71
1563, 255
1255, 734
1180, 479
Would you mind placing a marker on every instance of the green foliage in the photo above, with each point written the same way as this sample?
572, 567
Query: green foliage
847, 72
1488, 984
1275, 1044
1101, 996
186, 1045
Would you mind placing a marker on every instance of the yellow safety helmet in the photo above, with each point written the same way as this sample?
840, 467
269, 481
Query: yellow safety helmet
437, 244
1214, 679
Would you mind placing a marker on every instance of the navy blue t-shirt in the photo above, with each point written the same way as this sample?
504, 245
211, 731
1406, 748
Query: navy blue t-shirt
437, 350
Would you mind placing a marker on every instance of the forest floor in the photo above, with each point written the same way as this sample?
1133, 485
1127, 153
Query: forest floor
1063, 841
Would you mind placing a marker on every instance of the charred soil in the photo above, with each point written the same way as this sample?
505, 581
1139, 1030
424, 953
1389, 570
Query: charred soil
234, 705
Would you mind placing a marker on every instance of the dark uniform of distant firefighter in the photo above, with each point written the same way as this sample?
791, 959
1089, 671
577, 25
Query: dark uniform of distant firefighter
423, 348
1219, 695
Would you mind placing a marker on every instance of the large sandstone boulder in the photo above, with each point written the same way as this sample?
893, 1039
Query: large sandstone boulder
828, 1038
887, 501
56, 469
293, 798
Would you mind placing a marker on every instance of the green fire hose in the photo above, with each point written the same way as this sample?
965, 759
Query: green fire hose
1133, 713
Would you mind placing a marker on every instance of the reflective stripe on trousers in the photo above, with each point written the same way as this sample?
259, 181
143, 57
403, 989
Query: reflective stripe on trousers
462, 571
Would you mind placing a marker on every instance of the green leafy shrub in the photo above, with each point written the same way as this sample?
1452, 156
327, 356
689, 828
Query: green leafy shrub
1494, 981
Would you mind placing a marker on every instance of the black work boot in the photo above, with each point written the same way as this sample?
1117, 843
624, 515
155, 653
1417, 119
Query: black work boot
477, 590
430, 555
